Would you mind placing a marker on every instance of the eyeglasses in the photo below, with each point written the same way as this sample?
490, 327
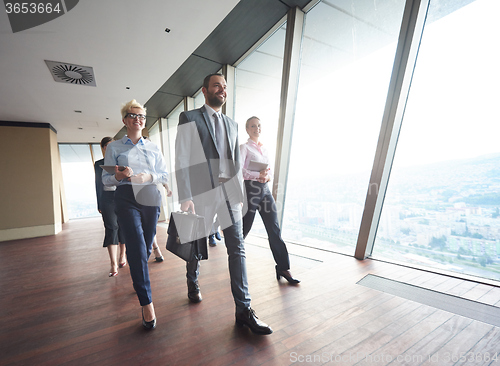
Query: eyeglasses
141, 117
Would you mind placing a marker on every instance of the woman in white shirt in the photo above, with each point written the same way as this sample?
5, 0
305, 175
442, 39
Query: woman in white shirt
260, 198
139, 167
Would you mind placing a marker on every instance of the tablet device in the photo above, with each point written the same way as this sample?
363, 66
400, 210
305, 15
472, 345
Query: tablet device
111, 168
255, 166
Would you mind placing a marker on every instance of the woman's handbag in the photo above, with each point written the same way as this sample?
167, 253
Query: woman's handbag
186, 236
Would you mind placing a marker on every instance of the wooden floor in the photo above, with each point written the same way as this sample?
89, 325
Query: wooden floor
58, 306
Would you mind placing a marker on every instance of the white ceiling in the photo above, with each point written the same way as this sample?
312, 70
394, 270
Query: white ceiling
123, 41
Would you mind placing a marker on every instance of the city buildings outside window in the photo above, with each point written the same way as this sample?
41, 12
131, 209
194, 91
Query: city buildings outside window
442, 205
346, 63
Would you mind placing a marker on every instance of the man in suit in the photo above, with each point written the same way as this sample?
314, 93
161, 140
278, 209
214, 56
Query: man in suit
210, 182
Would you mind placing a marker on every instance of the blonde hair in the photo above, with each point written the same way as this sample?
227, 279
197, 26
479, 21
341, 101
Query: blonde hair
132, 104
248, 120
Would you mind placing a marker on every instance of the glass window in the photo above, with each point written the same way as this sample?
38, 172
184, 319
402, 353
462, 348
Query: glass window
154, 134
442, 204
79, 180
97, 151
347, 57
258, 89
199, 100
257, 93
169, 134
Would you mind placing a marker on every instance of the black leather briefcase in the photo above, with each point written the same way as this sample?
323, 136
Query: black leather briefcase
186, 236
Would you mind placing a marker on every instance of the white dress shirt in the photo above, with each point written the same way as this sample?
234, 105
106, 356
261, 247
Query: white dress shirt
257, 152
143, 157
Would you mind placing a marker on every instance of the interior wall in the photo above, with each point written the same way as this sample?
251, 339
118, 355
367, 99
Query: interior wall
60, 207
32, 195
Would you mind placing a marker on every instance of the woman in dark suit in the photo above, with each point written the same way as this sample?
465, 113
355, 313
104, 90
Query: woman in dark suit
260, 198
106, 207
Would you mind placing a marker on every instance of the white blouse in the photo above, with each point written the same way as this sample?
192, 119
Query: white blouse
251, 151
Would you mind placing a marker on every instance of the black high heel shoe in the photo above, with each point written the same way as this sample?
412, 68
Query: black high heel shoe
287, 275
148, 325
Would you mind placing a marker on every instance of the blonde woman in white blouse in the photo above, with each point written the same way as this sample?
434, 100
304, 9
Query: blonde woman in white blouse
260, 198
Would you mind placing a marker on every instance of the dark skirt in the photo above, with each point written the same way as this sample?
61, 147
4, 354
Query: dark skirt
112, 233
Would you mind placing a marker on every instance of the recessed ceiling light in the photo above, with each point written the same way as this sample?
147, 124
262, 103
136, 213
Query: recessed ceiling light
78, 111
167, 30
128, 87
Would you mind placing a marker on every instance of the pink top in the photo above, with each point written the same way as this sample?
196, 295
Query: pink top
251, 151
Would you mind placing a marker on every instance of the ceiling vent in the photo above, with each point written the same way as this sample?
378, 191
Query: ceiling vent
63, 72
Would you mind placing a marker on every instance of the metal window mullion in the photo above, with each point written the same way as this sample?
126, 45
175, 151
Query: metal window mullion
188, 103
289, 84
92, 154
406, 55
229, 73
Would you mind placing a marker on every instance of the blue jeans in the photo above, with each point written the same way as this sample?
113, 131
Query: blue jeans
138, 224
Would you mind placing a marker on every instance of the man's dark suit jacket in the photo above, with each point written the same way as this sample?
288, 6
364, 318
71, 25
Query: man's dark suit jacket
197, 158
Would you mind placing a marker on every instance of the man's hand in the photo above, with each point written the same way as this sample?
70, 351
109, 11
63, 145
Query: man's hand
141, 178
187, 206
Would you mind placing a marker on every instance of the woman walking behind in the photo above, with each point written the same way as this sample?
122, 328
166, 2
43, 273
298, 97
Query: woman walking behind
113, 238
260, 198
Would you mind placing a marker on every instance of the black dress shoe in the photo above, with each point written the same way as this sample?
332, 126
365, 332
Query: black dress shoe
247, 317
194, 293
148, 325
211, 241
217, 236
287, 275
